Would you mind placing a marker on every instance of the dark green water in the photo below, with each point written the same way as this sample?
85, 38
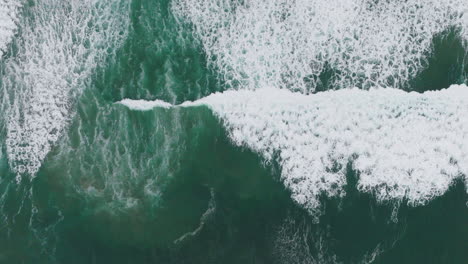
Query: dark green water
168, 186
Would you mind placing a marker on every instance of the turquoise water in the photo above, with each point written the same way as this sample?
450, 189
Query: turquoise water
170, 185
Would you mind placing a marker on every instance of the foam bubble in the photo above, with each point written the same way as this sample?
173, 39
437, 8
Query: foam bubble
404, 145
61, 43
8, 18
292, 44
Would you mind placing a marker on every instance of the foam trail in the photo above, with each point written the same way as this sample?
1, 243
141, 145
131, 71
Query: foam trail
293, 43
404, 145
8, 18
60, 45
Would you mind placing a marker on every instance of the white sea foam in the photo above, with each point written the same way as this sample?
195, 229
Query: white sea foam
8, 18
290, 43
404, 145
144, 105
61, 43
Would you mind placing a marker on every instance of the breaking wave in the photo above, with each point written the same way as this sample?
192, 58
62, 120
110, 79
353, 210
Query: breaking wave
405, 146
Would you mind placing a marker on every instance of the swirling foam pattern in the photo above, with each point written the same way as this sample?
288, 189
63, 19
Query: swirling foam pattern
292, 44
403, 145
60, 45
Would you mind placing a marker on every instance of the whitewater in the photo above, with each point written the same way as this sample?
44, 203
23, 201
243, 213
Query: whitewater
9, 10
295, 44
61, 43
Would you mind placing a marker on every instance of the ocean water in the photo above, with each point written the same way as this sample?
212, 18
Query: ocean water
233, 131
